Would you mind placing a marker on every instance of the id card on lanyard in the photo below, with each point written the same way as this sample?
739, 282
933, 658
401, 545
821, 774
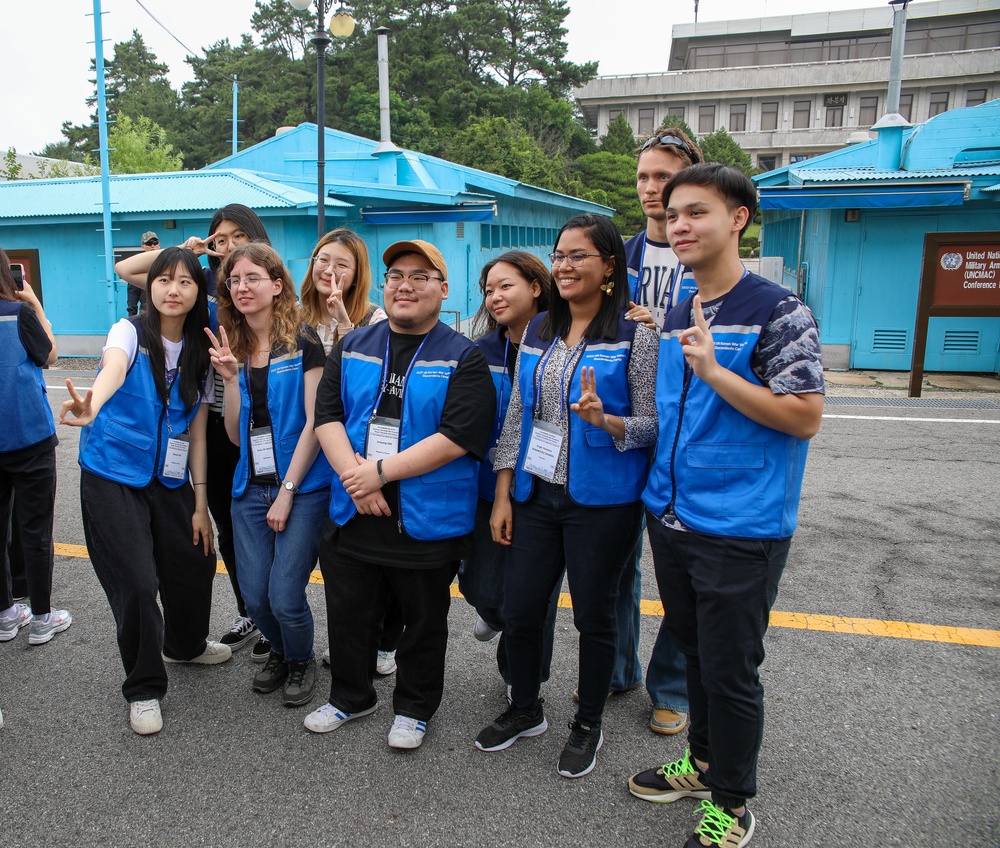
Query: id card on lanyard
546, 440
175, 457
262, 454
383, 433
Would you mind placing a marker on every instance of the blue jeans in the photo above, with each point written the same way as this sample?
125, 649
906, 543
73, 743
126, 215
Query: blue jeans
553, 534
274, 568
666, 680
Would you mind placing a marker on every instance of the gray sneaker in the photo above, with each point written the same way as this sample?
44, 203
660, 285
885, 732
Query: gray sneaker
272, 675
40, 632
214, 653
509, 727
10, 625
301, 683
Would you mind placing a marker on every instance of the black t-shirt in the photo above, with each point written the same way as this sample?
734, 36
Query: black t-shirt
38, 347
466, 420
313, 356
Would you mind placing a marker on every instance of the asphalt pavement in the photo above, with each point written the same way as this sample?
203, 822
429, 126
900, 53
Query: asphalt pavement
870, 739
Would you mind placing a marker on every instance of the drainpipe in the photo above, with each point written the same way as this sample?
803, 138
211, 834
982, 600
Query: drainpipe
891, 125
386, 150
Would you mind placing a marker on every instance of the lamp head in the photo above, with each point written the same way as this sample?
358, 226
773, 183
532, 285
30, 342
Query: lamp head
301, 5
342, 24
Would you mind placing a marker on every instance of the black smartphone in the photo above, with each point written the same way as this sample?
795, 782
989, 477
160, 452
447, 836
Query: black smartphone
18, 274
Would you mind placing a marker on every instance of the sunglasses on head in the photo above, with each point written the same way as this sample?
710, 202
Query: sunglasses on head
666, 141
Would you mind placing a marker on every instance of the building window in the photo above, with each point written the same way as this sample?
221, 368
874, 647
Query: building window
676, 112
867, 111
767, 162
706, 119
835, 116
613, 115
797, 157
645, 122
975, 96
768, 117
906, 106
939, 103
801, 114
738, 117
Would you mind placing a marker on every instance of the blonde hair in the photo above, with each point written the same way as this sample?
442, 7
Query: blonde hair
285, 316
356, 303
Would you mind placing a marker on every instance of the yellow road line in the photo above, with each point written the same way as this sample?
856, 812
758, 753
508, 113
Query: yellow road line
795, 620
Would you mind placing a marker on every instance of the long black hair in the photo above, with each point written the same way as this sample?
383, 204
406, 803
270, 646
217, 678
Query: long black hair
193, 360
530, 268
609, 244
245, 219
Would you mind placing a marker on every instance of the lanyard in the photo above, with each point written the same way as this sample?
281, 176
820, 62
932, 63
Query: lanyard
570, 359
385, 372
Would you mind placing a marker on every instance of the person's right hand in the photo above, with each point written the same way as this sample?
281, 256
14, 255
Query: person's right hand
201, 247
223, 361
80, 407
502, 521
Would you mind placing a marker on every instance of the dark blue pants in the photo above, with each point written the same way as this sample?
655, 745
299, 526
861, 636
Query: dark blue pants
717, 595
552, 534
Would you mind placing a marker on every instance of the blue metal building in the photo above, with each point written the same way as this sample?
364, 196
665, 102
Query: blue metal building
847, 233
53, 227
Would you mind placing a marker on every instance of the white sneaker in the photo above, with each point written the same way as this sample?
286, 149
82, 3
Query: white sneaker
325, 659
482, 631
40, 632
385, 663
1, 718
407, 733
145, 717
214, 653
328, 717
242, 632
10, 625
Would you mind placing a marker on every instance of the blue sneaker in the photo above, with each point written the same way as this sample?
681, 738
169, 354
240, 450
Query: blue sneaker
10, 625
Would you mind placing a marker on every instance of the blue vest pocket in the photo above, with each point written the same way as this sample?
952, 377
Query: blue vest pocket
725, 479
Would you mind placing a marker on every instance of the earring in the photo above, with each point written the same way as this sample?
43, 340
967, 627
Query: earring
608, 287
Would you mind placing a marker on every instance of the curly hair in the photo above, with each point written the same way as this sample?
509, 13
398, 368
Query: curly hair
356, 300
529, 267
285, 314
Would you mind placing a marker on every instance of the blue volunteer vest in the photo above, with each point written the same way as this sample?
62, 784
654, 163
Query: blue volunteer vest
28, 418
725, 474
286, 406
598, 473
495, 348
442, 503
127, 441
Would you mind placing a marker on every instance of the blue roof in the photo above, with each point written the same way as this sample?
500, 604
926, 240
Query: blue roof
183, 191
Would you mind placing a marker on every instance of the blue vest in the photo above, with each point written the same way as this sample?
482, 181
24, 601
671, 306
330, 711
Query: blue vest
598, 473
495, 348
28, 418
286, 405
442, 503
724, 474
127, 441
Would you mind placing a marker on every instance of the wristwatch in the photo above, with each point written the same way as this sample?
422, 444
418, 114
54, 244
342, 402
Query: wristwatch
381, 474
289, 487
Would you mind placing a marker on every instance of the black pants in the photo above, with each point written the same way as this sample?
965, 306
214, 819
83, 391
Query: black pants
27, 504
717, 595
223, 457
140, 543
136, 298
357, 594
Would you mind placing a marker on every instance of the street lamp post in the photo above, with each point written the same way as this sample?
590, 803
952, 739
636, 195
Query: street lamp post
341, 26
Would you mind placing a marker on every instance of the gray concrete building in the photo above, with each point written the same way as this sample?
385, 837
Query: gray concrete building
794, 86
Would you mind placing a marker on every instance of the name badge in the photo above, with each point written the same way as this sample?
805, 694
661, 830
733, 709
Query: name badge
542, 454
175, 459
383, 438
262, 451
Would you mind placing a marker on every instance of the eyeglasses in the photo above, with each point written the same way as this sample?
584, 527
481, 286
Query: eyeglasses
340, 267
666, 141
575, 259
250, 280
234, 239
418, 282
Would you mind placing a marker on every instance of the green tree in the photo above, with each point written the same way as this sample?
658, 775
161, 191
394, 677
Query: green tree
721, 147
140, 146
676, 121
11, 169
619, 139
609, 178
62, 150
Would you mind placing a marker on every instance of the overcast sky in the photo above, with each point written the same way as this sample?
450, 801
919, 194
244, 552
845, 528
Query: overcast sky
45, 50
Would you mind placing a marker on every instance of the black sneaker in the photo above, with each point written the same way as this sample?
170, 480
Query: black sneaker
301, 683
242, 631
670, 782
510, 727
261, 651
721, 827
580, 754
272, 675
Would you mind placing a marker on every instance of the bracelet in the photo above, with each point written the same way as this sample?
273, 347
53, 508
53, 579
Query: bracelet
381, 474
199, 484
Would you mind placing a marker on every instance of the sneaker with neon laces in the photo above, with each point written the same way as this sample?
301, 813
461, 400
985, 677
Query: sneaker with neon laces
41, 630
214, 653
328, 717
721, 827
407, 733
145, 717
242, 632
482, 631
385, 663
670, 782
11, 624
509, 727
261, 650
579, 756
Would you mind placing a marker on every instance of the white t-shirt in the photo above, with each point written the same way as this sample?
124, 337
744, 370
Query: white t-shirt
123, 336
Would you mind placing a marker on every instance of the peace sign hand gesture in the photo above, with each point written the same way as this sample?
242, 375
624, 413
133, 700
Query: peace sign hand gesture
223, 361
335, 302
80, 407
698, 345
589, 407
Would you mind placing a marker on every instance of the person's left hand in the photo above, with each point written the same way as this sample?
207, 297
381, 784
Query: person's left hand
202, 527
589, 407
277, 515
641, 315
